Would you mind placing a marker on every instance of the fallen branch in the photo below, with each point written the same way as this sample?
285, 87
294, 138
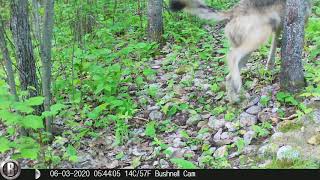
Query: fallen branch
293, 116
142, 119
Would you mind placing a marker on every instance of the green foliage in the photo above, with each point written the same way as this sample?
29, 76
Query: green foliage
33, 122
4, 144
183, 164
17, 115
262, 129
286, 98
240, 144
71, 153
150, 129
264, 100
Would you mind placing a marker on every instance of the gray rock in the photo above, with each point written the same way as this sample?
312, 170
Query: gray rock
317, 116
277, 136
224, 138
221, 152
205, 116
137, 152
251, 149
212, 150
163, 164
202, 124
253, 102
155, 115
177, 143
215, 123
274, 110
264, 116
194, 148
248, 136
84, 158
234, 154
222, 142
186, 77
156, 67
204, 136
206, 87
265, 91
198, 82
253, 110
193, 119
230, 126
226, 135
217, 136
247, 119
113, 164
146, 166
268, 151
288, 153
152, 108
155, 163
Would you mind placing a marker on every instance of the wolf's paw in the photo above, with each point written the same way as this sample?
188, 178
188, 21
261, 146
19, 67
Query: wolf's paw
232, 96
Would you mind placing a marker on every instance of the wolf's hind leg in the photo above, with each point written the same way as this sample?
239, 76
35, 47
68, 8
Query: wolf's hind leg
233, 80
243, 62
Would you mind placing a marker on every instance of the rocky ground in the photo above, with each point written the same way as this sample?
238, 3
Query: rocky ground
210, 133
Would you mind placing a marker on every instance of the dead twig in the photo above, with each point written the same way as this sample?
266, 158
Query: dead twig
293, 116
142, 119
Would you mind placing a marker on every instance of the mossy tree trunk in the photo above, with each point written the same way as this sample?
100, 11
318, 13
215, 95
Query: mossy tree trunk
24, 50
155, 21
292, 76
7, 60
46, 46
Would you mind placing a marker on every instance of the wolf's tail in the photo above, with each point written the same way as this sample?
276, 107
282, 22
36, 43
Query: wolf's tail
198, 8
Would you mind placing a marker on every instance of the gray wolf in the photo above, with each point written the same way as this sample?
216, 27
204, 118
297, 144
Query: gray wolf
250, 23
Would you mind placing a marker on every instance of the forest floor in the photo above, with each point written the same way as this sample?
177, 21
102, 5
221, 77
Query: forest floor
233, 136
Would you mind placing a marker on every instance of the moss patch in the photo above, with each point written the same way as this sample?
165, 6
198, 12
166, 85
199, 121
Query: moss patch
298, 164
287, 126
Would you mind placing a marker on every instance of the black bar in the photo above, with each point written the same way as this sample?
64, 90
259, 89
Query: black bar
213, 174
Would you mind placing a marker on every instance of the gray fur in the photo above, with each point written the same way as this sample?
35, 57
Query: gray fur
250, 24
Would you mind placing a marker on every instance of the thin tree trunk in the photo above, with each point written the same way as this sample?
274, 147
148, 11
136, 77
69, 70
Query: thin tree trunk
155, 22
7, 61
46, 45
140, 13
291, 76
24, 49
37, 18
114, 11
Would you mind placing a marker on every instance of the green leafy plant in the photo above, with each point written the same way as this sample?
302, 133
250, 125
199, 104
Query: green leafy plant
182, 163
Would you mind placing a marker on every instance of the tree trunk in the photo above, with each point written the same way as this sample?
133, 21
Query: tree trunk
85, 20
155, 22
46, 44
24, 49
291, 76
7, 61
36, 5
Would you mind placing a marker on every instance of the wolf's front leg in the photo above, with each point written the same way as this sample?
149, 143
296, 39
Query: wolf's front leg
233, 80
232, 95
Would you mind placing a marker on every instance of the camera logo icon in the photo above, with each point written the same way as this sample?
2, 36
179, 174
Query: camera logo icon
10, 169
